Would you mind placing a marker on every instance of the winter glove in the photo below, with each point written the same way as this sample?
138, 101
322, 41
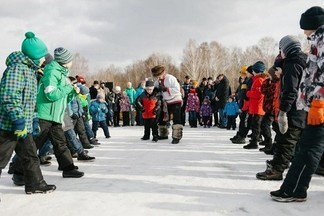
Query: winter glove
74, 116
283, 122
162, 88
316, 112
36, 128
20, 129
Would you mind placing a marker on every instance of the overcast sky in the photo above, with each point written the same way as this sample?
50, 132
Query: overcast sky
122, 31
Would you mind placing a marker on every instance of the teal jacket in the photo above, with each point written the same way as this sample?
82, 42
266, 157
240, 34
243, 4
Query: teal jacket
54, 92
131, 94
18, 90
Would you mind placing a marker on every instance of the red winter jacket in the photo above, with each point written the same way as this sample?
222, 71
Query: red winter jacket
255, 96
149, 105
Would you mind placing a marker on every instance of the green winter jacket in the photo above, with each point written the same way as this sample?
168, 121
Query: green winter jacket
18, 89
54, 92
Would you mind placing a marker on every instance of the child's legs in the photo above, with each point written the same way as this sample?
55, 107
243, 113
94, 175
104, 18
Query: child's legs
95, 125
103, 125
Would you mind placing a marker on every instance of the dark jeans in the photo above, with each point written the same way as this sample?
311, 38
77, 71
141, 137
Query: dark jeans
304, 164
103, 125
74, 144
183, 112
27, 161
148, 125
231, 122
193, 118
116, 118
285, 148
80, 131
55, 133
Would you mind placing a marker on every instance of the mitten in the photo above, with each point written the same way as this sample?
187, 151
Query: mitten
316, 112
283, 122
20, 129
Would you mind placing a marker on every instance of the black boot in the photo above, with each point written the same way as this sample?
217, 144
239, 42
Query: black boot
155, 138
239, 140
18, 179
252, 145
72, 172
41, 187
85, 157
175, 141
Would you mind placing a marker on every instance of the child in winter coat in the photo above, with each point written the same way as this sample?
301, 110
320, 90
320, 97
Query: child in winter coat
231, 110
98, 110
206, 112
193, 105
150, 105
125, 107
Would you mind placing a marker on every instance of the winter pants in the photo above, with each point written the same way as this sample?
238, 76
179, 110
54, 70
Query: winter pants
55, 133
193, 118
80, 131
285, 148
256, 127
245, 124
206, 121
126, 118
116, 118
231, 122
149, 124
266, 128
103, 125
27, 161
304, 164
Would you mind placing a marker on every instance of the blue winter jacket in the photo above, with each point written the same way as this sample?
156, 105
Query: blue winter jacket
98, 110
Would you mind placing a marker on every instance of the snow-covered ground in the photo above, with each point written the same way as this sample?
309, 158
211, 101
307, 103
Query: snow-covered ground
203, 175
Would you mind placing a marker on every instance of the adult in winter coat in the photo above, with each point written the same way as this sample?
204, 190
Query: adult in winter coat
18, 90
221, 97
131, 93
170, 88
291, 121
52, 99
311, 99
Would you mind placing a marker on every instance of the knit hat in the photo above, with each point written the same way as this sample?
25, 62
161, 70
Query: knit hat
258, 67
80, 79
33, 47
289, 44
157, 70
83, 89
62, 55
243, 69
149, 85
249, 70
312, 18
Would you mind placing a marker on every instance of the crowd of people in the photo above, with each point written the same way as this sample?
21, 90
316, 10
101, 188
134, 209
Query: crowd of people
43, 109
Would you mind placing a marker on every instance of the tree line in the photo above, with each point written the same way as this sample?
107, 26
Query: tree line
198, 61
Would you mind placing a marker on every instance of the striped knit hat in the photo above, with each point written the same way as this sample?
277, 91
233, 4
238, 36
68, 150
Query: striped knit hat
62, 56
289, 44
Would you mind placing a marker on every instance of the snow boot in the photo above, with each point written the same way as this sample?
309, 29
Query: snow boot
252, 145
176, 133
41, 187
239, 140
163, 131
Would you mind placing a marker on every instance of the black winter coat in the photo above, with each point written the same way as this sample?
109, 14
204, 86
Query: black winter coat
293, 67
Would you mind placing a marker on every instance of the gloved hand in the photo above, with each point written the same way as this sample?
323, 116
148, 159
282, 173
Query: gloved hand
36, 128
316, 112
163, 88
74, 116
283, 122
20, 129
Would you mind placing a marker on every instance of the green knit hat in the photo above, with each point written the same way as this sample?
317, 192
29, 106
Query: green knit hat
33, 47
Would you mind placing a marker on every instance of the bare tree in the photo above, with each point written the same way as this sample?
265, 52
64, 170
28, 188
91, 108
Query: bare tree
80, 65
